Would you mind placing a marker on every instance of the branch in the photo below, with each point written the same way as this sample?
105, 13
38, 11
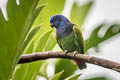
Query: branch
89, 59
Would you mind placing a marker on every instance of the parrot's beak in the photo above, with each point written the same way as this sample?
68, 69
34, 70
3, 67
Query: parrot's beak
52, 25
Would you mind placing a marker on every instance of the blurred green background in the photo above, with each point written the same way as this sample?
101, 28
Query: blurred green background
25, 28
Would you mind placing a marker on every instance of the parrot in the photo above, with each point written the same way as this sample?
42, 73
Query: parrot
68, 36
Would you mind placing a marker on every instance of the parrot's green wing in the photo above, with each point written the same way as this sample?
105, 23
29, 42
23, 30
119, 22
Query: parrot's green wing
79, 38
60, 44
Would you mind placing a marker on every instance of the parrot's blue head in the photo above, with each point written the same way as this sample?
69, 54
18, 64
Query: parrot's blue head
58, 21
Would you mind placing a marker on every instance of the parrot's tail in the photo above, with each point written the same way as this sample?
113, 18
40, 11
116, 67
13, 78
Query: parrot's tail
80, 64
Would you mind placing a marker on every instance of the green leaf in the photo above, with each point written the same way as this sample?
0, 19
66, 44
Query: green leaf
67, 65
12, 34
29, 40
51, 42
94, 40
29, 48
30, 36
97, 78
79, 12
42, 41
36, 12
32, 69
73, 77
57, 76
20, 72
30, 23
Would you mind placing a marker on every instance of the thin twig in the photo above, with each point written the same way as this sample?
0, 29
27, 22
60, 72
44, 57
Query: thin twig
89, 59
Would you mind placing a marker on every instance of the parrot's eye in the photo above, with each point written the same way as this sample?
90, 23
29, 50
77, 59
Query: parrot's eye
55, 19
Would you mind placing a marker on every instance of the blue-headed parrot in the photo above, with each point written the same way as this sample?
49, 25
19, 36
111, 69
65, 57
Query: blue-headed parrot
69, 36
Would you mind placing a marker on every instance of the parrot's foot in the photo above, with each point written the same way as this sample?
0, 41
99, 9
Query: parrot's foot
74, 53
66, 51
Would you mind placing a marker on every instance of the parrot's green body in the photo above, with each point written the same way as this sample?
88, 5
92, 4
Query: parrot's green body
73, 42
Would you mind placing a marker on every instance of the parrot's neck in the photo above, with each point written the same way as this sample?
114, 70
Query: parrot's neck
64, 30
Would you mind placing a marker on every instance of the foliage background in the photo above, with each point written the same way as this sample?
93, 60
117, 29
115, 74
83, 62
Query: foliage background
27, 30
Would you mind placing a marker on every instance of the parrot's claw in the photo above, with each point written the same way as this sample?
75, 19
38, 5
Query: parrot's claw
66, 51
74, 53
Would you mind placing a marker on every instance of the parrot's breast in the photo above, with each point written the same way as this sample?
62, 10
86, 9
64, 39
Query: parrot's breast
68, 43
64, 31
